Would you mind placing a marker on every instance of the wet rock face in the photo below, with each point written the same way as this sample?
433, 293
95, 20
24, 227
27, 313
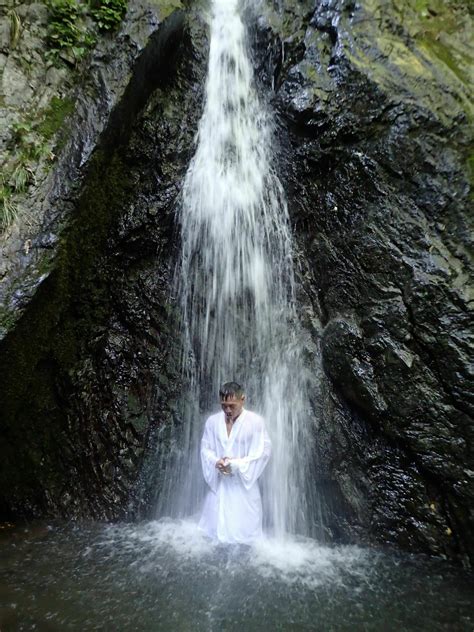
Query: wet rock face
374, 111
89, 371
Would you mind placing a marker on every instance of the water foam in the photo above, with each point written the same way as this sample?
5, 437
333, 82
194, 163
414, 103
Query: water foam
181, 537
151, 547
303, 561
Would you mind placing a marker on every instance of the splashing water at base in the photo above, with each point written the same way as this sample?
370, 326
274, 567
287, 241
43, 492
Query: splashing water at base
301, 561
166, 577
236, 288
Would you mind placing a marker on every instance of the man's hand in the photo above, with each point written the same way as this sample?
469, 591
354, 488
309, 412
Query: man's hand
223, 465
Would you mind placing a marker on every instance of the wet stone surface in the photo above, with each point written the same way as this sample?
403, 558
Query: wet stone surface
374, 128
88, 373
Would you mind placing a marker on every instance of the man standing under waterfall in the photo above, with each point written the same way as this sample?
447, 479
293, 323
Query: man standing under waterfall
235, 449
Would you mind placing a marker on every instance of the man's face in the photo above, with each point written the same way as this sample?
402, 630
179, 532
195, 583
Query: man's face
232, 407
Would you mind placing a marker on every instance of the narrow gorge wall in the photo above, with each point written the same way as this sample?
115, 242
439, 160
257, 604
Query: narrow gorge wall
87, 372
375, 113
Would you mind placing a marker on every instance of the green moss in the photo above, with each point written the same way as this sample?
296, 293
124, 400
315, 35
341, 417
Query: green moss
54, 116
140, 423
45, 264
440, 27
434, 15
7, 319
167, 7
419, 43
444, 54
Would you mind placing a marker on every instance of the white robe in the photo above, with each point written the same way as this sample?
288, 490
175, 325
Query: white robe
232, 510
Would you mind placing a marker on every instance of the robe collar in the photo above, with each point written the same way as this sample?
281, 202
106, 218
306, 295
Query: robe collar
230, 439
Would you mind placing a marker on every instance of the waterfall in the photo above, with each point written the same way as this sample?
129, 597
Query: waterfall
236, 289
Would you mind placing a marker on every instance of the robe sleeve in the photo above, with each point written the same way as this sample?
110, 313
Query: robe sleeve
209, 457
250, 467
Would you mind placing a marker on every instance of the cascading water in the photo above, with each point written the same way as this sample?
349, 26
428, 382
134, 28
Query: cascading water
235, 284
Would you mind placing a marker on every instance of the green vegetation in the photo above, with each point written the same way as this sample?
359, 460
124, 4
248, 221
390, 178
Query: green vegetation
31, 142
8, 209
16, 175
65, 28
108, 14
73, 26
8, 319
167, 7
443, 31
53, 117
15, 28
434, 8
438, 25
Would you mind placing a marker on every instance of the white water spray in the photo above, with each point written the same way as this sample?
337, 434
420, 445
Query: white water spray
235, 284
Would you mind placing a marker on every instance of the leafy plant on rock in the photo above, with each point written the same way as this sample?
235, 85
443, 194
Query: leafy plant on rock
66, 29
62, 28
108, 13
73, 25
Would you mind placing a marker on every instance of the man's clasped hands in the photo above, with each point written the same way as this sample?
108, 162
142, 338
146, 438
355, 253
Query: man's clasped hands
223, 465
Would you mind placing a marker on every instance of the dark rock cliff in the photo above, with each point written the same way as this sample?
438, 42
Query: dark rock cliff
372, 103
375, 114
86, 372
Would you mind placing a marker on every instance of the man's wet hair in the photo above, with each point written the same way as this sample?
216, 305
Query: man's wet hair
231, 389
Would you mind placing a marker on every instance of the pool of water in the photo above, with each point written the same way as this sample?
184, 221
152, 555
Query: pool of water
165, 576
